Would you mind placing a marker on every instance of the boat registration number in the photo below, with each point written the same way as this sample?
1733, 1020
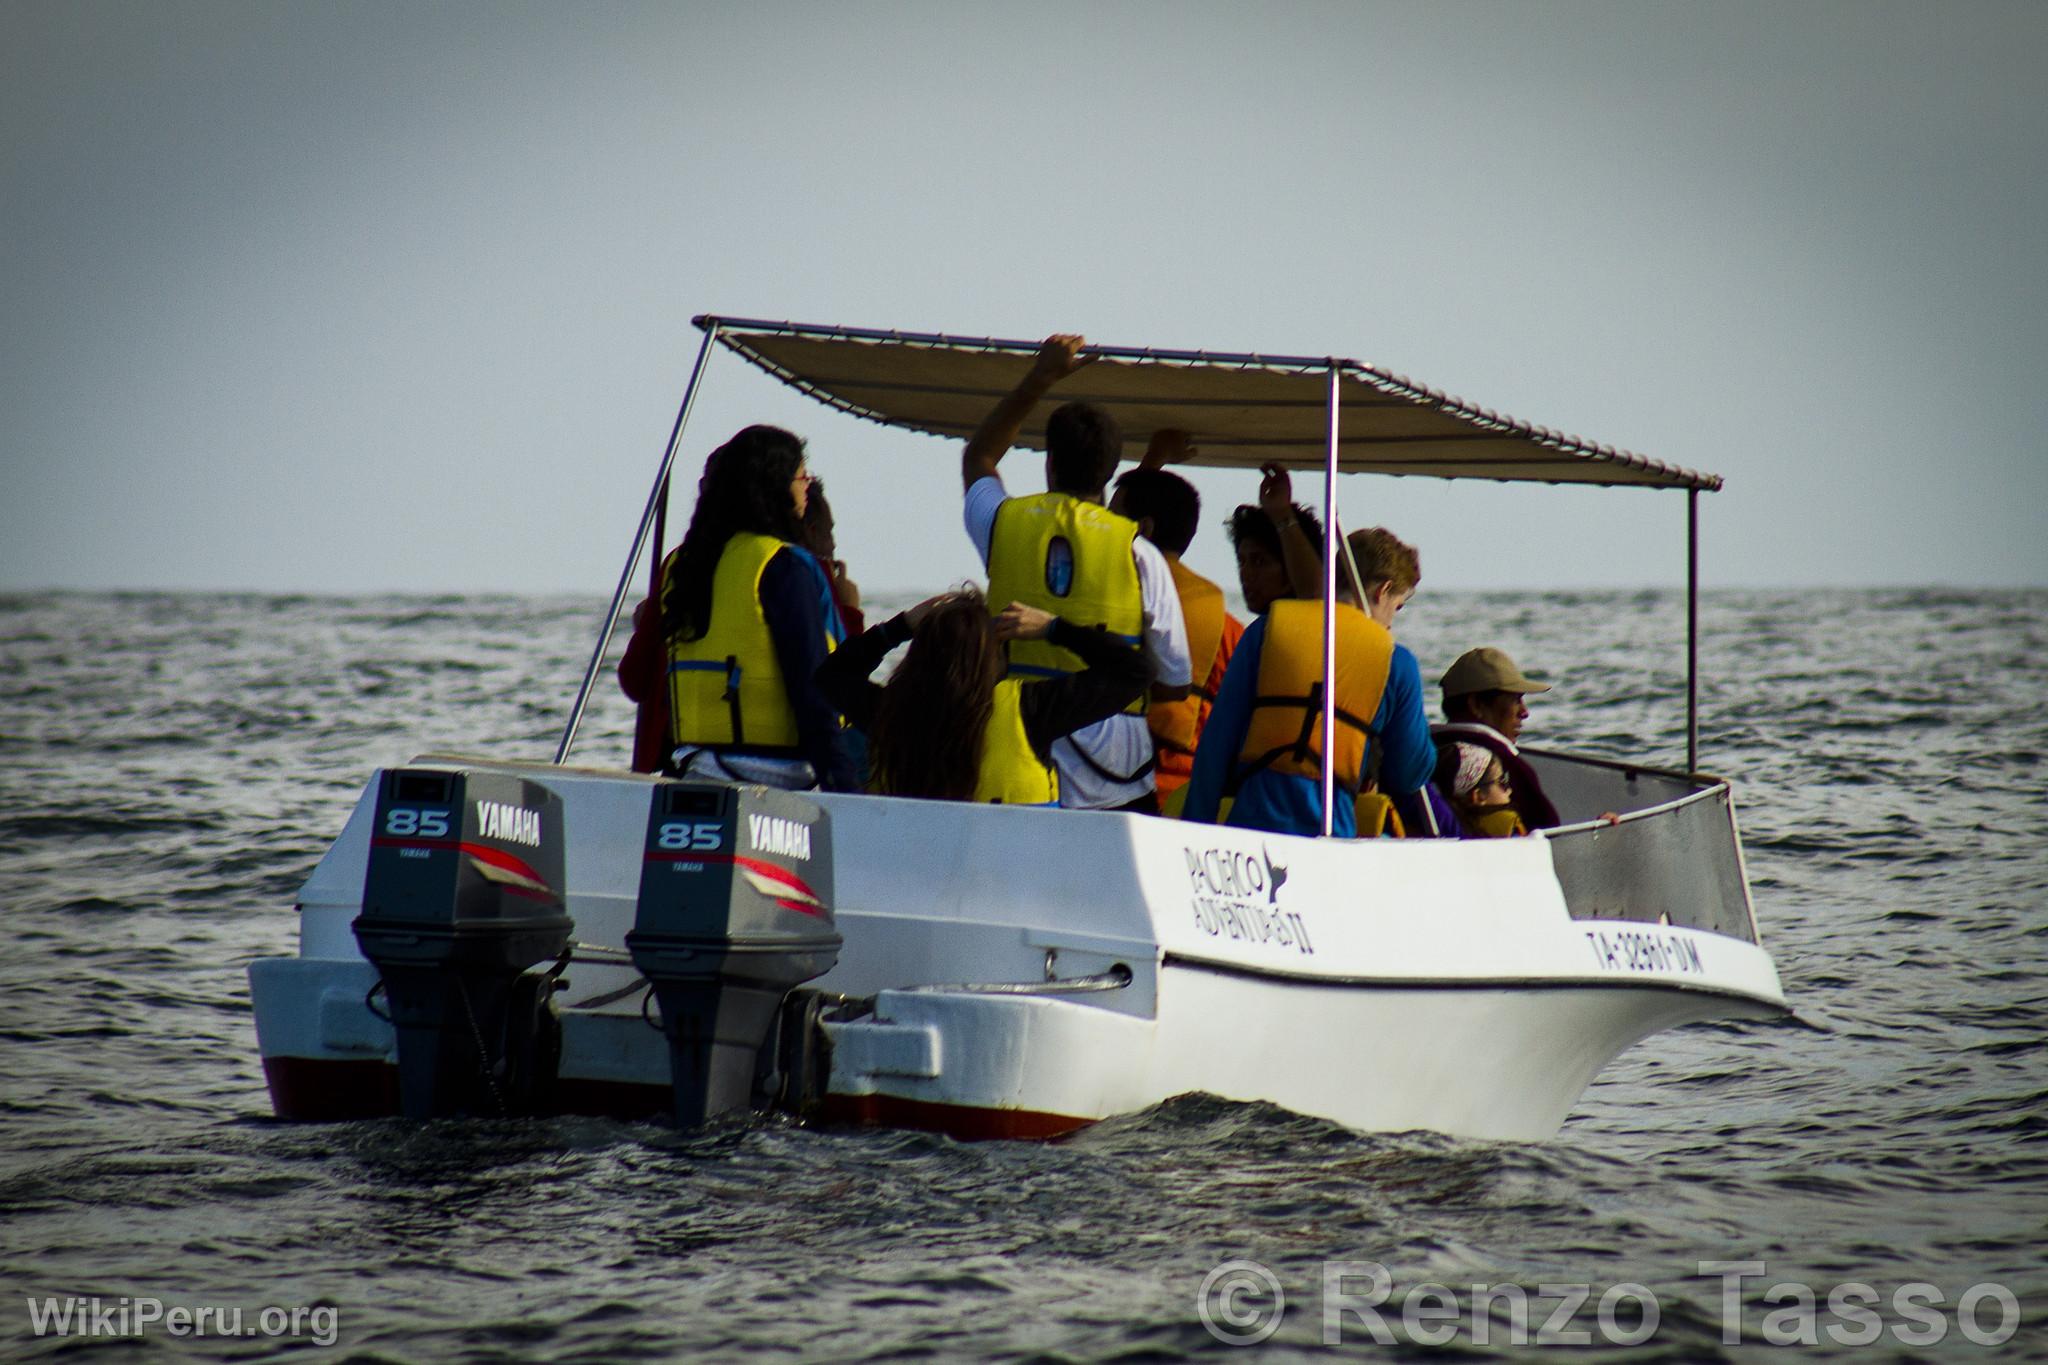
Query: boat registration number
1634, 950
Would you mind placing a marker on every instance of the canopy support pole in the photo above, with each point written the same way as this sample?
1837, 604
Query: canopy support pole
1692, 630
660, 534
1329, 764
656, 503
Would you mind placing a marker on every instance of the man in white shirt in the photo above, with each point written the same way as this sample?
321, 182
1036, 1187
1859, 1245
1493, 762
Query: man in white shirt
1108, 765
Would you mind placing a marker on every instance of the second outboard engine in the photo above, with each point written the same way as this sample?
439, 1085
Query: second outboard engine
735, 890
463, 895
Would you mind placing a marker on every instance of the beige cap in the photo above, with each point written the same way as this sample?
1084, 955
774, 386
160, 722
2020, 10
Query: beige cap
1487, 670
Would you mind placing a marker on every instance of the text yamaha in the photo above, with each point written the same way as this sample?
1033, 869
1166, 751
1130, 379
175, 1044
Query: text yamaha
511, 824
771, 834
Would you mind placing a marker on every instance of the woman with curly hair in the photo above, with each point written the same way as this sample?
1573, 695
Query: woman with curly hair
951, 724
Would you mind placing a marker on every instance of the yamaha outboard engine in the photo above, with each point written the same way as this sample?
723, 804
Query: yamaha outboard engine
464, 894
735, 891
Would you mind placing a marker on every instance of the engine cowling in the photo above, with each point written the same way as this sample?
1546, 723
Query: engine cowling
464, 894
734, 911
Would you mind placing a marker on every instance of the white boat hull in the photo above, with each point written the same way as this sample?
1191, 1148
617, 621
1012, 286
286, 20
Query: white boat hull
1382, 984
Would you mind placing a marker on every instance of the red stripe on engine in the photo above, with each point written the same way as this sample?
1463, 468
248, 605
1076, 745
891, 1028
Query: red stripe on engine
768, 870
496, 857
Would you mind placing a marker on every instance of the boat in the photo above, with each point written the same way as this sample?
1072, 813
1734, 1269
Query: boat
496, 934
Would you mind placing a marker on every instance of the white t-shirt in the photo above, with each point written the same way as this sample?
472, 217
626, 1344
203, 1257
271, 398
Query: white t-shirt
1123, 743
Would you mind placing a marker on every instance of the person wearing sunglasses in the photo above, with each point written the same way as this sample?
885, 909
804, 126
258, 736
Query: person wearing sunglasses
1480, 791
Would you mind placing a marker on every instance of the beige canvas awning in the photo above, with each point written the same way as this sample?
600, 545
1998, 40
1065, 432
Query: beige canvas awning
1244, 410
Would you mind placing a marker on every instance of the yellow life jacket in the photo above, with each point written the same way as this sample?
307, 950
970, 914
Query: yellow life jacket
1285, 729
1012, 773
726, 689
1177, 724
1376, 817
1501, 822
1072, 558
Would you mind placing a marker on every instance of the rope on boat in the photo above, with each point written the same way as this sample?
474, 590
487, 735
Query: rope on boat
1115, 979
483, 1054
598, 948
600, 1001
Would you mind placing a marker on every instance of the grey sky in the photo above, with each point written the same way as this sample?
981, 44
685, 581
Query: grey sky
366, 296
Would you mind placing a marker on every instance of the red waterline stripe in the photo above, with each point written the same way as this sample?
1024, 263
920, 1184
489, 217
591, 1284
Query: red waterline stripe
969, 1123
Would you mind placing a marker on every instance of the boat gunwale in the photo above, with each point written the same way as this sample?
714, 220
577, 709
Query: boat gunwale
1540, 983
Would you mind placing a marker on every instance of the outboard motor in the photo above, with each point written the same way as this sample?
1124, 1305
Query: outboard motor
463, 895
735, 891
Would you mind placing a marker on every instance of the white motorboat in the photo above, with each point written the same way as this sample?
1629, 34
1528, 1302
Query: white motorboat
628, 944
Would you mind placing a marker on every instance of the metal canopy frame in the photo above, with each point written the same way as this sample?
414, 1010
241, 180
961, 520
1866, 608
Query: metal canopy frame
1566, 458
732, 332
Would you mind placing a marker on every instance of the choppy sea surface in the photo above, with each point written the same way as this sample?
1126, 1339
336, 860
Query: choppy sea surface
171, 766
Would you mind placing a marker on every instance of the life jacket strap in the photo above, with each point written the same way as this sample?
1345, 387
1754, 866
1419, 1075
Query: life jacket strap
1311, 713
1313, 703
1300, 750
731, 698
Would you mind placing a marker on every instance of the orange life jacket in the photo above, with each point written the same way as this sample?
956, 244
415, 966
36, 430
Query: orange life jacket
1176, 725
1285, 729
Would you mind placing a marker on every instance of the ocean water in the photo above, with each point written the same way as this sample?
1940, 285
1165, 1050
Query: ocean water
171, 766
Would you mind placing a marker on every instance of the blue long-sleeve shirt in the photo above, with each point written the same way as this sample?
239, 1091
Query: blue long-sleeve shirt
796, 597
1284, 802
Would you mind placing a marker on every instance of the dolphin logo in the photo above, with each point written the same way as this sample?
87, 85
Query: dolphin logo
1275, 875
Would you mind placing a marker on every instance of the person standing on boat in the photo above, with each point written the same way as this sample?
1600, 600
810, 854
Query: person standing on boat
746, 616
1483, 694
1263, 745
1063, 552
951, 724
1168, 509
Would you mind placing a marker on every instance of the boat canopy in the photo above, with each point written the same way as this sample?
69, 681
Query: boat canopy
1244, 410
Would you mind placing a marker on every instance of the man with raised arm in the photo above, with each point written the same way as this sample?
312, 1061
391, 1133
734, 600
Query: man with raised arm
1063, 551
1263, 745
